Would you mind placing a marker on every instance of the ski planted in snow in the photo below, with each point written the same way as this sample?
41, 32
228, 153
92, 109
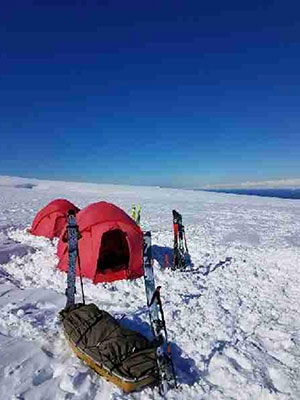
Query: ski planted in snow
71, 237
180, 245
167, 377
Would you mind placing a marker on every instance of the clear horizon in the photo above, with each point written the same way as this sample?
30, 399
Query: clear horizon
244, 186
181, 95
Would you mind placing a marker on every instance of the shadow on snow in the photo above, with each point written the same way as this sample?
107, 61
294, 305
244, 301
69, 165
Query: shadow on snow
164, 256
185, 367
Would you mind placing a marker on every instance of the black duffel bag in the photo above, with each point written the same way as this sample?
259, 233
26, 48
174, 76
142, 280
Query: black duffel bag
124, 353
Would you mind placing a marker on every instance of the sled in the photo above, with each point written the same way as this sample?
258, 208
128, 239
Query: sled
126, 384
120, 355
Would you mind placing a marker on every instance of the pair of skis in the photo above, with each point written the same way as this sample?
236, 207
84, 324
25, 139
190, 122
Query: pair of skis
167, 377
180, 246
136, 213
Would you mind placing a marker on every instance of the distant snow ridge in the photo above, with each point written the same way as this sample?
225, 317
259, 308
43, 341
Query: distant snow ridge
25, 185
271, 184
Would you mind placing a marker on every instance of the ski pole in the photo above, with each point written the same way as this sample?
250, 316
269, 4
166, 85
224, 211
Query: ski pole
186, 248
80, 275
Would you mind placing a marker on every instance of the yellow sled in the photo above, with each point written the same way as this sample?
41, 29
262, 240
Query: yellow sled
127, 384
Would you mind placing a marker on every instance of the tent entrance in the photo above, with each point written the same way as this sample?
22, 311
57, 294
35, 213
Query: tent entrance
113, 252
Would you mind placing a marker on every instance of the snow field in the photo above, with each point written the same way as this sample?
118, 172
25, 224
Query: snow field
233, 318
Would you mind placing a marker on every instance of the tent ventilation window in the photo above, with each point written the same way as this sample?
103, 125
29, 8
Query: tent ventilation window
113, 252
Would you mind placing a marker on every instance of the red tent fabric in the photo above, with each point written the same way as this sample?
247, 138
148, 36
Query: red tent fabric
51, 220
111, 246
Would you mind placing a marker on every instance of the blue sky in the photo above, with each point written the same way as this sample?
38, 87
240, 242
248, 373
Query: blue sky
175, 93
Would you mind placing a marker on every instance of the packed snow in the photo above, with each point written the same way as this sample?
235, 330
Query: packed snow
233, 316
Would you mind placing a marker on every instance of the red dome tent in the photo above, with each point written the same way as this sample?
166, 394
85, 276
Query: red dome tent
111, 246
51, 220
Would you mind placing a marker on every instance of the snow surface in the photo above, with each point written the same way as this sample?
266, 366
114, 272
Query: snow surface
233, 318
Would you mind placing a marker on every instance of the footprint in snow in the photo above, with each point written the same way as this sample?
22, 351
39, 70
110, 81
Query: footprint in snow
42, 376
